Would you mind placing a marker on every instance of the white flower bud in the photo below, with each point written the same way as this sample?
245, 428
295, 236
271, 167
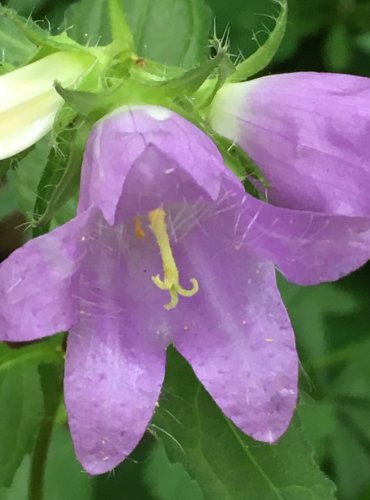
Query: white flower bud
29, 102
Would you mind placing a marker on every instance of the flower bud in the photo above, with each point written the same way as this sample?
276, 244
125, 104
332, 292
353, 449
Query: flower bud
29, 101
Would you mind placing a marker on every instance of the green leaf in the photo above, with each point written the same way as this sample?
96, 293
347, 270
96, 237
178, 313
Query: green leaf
23, 179
87, 22
21, 406
47, 351
7, 202
127, 477
309, 308
264, 54
27, 29
331, 322
43, 40
26, 7
225, 463
337, 48
166, 479
173, 32
363, 42
60, 178
16, 48
351, 457
19, 486
64, 478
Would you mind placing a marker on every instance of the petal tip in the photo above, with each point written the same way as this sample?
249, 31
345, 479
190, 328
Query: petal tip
97, 466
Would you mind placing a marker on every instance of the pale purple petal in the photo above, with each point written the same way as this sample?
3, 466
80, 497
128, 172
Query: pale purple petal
235, 331
116, 354
307, 247
309, 134
37, 283
112, 383
132, 134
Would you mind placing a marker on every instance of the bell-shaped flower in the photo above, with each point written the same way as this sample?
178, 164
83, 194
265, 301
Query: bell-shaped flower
309, 135
166, 248
29, 101
153, 257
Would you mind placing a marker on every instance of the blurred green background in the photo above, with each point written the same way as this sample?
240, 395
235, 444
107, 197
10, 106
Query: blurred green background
332, 321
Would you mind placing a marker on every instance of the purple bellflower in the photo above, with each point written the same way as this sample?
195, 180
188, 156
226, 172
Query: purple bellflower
168, 248
309, 135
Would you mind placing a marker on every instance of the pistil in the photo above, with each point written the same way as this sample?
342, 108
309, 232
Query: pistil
170, 281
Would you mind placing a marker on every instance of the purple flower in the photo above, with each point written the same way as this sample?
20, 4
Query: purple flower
309, 134
168, 248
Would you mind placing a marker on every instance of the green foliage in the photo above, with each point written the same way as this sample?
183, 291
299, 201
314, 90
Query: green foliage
60, 177
20, 414
24, 177
224, 462
87, 22
172, 32
332, 326
169, 480
337, 49
7, 202
16, 48
265, 53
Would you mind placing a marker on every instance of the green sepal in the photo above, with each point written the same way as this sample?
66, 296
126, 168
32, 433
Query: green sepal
96, 105
264, 55
144, 70
240, 164
121, 33
192, 80
167, 93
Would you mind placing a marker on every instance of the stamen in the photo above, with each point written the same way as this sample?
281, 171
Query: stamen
170, 281
138, 229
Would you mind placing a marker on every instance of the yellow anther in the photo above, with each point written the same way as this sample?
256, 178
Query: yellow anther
170, 281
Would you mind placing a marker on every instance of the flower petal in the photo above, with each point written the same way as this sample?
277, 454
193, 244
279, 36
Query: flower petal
25, 124
116, 354
112, 382
135, 134
236, 333
37, 283
308, 133
307, 247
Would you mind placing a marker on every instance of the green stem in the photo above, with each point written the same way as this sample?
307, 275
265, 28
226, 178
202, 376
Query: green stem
38, 464
50, 378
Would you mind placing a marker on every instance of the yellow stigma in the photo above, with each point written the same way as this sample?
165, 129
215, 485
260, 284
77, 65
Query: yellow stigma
170, 280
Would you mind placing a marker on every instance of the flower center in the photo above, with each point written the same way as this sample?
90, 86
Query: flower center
170, 281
